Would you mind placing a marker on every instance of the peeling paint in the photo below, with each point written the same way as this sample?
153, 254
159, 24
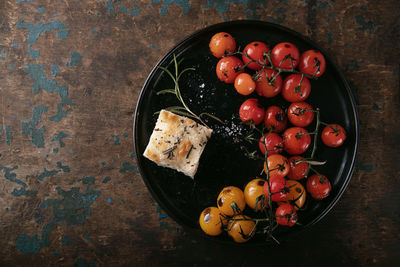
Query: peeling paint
361, 165
36, 30
8, 135
41, 10
127, 166
54, 70
59, 137
117, 141
47, 173
364, 25
12, 177
106, 179
75, 59
41, 82
80, 262
29, 127
64, 168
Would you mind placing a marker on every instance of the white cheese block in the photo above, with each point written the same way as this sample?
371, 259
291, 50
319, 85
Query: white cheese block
177, 142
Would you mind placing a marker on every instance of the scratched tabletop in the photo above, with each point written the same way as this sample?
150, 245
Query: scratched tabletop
70, 75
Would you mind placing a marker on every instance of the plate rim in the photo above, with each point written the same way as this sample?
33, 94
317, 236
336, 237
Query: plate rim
352, 98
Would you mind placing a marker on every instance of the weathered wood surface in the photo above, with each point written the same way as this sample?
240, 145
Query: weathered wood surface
70, 74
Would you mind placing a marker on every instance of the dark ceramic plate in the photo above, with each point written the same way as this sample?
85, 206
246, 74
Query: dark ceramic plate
223, 162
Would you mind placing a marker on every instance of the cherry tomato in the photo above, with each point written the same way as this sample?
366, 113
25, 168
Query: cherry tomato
229, 195
296, 140
273, 142
211, 221
293, 90
254, 194
255, 51
297, 170
312, 62
318, 186
286, 215
275, 119
284, 55
244, 84
221, 43
228, 68
333, 135
279, 190
296, 195
277, 165
300, 114
267, 85
251, 110
241, 230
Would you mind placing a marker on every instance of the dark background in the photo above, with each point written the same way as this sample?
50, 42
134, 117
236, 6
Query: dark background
70, 76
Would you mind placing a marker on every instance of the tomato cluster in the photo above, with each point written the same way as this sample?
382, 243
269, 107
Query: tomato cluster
261, 71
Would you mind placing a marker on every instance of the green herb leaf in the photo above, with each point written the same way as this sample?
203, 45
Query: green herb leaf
166, 91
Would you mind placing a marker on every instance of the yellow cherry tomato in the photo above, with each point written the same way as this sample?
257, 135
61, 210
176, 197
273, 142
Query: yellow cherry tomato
211, 221
296, 195
253, 193
240, 230
227, 197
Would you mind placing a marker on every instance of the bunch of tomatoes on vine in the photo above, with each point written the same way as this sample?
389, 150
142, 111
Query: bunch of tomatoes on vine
281, 192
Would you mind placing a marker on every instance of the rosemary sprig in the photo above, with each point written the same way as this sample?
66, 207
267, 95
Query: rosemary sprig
183, 110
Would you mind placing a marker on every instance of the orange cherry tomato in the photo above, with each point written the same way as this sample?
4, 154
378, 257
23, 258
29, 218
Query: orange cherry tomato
253, 193
277, 165
244, 84
227, 197
241, 230
296, 195
211, 221
222, 43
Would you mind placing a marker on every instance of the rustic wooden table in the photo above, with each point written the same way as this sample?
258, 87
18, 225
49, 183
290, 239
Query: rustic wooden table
70, 75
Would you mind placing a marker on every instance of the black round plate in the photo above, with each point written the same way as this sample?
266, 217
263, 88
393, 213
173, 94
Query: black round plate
223, 162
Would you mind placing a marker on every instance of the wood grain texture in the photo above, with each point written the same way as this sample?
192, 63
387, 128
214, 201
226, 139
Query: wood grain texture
70, 75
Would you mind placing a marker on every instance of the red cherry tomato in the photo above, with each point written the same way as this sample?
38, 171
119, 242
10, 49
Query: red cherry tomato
244, 84
255, 51
251, 110
275, 119
273, 142
277, 165
293, 91
312, 62
296, 140
318, 186
284, 55
278, 188
228, 68
286, 215
297, 170
300, 114
268, 84
222, 43
333, 135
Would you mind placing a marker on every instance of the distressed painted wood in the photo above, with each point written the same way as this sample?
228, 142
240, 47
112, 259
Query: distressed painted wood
70, 74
